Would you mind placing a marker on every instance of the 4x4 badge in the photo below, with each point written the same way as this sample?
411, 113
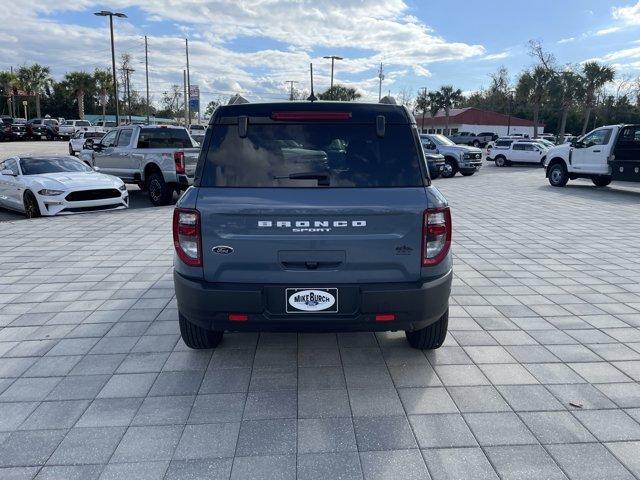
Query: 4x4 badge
222, 249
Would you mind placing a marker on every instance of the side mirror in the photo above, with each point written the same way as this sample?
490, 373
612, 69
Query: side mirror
577, 144
88, 144
7, 172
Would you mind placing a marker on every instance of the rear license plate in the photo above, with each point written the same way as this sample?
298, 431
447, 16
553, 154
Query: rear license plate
311, 300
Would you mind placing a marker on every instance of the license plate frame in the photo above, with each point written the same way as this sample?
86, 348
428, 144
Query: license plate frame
292, 309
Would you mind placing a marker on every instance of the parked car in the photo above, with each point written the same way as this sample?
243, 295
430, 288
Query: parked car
603, 155
42, 129
158, 158
457, 158
470, 138
517, 152
46, 185
19, 129
106, 126
197, 129
355, 240
435, 164
70, 127
5, 128
77, 141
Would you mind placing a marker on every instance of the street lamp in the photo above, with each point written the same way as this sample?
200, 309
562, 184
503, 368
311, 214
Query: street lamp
511, 92
106, 13
333, 59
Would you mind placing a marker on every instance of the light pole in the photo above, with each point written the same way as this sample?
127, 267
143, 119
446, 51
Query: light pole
510, 112
106, 13
333, 59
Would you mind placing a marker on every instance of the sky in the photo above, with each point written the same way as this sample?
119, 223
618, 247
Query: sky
254, 47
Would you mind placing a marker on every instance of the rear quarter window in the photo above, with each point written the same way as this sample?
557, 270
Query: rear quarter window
343, 155
164, 138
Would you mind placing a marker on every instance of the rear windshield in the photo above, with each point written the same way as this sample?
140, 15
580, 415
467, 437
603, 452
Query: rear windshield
164, 138
312, 155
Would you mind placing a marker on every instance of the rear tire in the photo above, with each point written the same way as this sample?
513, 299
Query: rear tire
601, 180
467, 173
197, 337
160, 193
558, 176
450, 169
430, 337
500, 161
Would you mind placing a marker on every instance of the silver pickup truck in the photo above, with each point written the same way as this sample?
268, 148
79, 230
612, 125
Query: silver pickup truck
157, 158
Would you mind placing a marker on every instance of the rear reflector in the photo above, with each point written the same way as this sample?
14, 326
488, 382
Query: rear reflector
302, 116
385, 317
238, 317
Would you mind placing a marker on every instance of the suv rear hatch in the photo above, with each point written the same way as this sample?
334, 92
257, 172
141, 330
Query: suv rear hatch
310, 201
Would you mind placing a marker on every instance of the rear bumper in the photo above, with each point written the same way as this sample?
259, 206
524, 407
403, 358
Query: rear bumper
415, 305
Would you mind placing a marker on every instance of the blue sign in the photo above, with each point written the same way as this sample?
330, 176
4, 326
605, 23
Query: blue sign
194, 104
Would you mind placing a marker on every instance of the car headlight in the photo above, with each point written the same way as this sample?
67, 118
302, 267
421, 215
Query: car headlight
122, 188
50, 193
466, 155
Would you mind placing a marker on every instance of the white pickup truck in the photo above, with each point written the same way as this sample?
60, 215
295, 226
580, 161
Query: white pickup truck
157, 158
605, 154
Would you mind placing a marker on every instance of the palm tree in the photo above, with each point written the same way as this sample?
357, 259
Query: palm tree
533, 86
34, 80
104, 84
79, 83
594, 77
447, 98
570, 86
340, 93
8, 81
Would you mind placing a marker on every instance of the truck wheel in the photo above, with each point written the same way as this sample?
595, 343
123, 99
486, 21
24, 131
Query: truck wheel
476, 143
601, 180
558, 176
467, 173
160, 193
71, 152
197, 337
450, 169
430, 337
500, 161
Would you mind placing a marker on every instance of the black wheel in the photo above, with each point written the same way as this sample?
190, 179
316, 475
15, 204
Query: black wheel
558, 176
71, 152
450, 168
500, 161
601, 180
198, 337
160, 193
476, 143
430, 337
31, 208
467, 173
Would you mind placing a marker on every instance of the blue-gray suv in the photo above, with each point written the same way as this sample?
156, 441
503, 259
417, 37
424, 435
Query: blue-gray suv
312, 216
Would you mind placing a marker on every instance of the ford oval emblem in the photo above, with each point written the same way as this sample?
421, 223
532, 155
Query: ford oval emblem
222, 249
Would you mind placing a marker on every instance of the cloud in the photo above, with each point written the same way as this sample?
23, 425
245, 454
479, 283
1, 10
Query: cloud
607, 31
296, 33
496, 56
565, 40
628, 15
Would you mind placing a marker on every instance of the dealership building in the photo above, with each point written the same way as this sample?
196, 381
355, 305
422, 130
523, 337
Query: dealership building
476, 121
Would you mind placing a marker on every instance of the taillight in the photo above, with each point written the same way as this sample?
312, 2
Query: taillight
436, 233
186, 236
178, 158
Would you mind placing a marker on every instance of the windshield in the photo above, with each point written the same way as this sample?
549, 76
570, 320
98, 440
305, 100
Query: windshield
39, 166
312, 155
441, 140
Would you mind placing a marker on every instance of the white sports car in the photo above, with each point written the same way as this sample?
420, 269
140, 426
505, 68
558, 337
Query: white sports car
57, 185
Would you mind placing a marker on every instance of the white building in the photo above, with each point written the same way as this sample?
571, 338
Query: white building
477, 121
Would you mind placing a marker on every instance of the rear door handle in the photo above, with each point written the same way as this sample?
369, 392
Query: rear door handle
596, 151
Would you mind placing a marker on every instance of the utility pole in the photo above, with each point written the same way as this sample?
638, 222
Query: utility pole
127, 71
381, 77
291, 82
146, 70
106, 13
333, 59
188, 84
186, 98
12, 100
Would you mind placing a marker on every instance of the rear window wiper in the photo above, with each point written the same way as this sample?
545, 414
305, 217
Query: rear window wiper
322, 177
